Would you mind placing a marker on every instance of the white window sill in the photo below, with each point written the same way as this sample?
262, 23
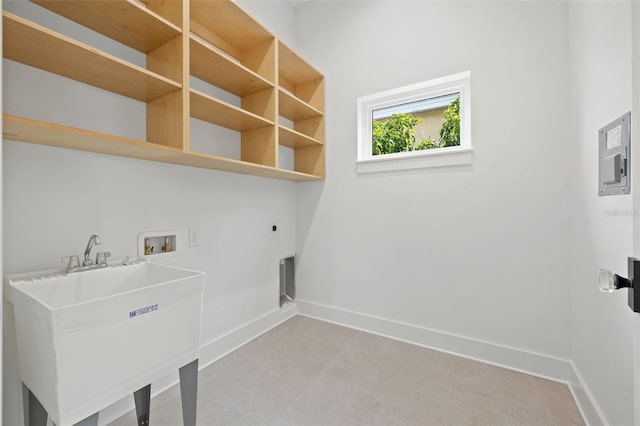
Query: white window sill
443, 157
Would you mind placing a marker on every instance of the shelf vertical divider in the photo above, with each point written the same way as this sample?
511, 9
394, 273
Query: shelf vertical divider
168, 116
276, 95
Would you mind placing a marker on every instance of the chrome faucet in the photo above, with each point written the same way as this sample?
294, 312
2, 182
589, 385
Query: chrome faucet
73, 262
94, 239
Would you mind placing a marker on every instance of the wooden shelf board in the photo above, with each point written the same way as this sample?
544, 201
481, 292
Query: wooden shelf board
126, 21
295, 109
213, 67
39, 132
290, 175
37, 46
229, 22
293, 68
43, 133
207, 161
294, 139
209, 109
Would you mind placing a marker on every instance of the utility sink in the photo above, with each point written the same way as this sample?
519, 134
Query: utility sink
87, 339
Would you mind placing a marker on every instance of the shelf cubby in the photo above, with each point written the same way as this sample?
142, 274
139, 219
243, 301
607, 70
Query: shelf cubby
225, 25
295, 109
126, 21
210, 65
299, 78
214, 111
293, 139
310, 160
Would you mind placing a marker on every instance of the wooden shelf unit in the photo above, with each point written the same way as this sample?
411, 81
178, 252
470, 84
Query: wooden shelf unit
215, 41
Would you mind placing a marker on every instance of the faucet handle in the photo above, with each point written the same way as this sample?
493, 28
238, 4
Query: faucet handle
71, 261
101, 257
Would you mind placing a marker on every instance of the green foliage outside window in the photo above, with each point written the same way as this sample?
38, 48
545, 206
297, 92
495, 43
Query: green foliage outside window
450, 131
398, 134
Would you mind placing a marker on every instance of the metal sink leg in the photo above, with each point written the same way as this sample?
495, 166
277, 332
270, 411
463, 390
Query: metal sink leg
142, 398
189, 392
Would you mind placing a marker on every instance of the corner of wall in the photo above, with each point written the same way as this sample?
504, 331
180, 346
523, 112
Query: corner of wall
591, 412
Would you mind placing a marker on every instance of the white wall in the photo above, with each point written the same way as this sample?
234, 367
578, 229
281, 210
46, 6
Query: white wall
602, 227
478, 251
276, 16
55, 198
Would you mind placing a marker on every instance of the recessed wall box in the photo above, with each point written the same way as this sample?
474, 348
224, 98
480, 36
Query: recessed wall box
287, 280
157, 244
614, 148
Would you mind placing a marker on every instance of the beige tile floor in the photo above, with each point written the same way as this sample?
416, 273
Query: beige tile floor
308, 372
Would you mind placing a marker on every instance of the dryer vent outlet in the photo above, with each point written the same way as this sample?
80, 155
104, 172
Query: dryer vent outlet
287, 280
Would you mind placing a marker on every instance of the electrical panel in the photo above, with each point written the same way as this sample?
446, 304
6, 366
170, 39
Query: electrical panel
614, 149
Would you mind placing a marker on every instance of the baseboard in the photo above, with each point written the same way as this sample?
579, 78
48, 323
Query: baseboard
591, 412
535, 364
215, 349
210, 352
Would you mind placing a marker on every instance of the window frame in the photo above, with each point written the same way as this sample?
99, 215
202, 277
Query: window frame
438, 157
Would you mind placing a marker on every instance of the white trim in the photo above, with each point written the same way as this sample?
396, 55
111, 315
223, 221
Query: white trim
535, 364
456, 83
431, 103
539, 365
221, 346
590, 410
443, 157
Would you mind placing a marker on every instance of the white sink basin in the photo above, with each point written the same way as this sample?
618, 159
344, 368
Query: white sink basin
87, 339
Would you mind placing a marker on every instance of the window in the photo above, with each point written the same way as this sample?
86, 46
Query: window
422, 125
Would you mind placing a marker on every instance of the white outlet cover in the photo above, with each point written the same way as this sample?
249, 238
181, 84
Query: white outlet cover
194, 237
